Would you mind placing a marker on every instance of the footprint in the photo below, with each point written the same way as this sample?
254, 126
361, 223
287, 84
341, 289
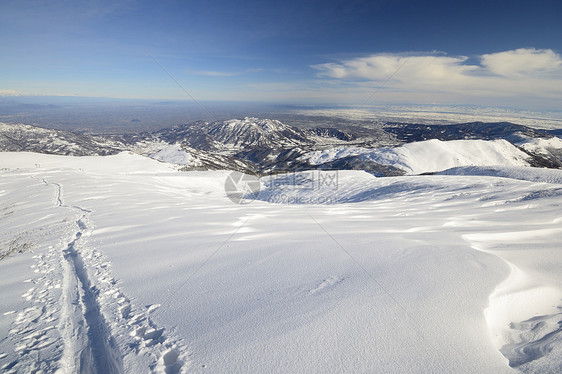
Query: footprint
125, 310
153, 334
138, 332
137, 318
169, 362
170, 357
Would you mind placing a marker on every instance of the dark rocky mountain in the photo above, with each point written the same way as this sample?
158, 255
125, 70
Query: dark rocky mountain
556, 132
331, 133
407, 132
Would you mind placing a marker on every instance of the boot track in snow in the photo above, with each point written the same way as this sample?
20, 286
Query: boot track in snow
88, 344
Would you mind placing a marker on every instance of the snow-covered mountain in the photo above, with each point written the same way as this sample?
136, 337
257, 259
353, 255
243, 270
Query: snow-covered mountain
263, 146
235, 135
19, 137
430, 155
267, 146
189, 158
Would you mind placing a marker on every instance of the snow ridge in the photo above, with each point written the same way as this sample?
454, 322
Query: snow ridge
430, 156
524, 313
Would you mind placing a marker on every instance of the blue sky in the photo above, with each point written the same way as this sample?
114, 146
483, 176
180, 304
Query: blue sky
503, 53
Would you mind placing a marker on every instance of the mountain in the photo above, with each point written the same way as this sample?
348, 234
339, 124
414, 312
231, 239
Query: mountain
325, 133
250, 145
265, 146
408, 133
235, 135
268, 146
427, 156
197, 159
18, 138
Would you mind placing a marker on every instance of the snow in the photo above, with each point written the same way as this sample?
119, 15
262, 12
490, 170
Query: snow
174, 154
522, 173
122, 163
541, 145
324, 272
334, 153
431, 155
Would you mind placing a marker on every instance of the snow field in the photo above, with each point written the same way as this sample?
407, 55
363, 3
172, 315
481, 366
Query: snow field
405, 274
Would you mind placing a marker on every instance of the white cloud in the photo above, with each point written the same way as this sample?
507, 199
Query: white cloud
383, 66
523, 61
10, 93
522, 73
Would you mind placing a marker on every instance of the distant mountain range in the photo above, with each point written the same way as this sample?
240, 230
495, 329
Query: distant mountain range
264, 146
20, 138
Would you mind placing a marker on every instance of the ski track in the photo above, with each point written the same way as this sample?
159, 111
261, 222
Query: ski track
66, 330
88, 344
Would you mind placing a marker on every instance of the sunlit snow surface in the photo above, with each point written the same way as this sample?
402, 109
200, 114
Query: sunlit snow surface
444, 273
430, 155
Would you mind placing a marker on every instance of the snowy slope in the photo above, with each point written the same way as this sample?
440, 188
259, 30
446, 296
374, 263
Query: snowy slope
342, 272
122, 163
541, 145
173, 154
431, 155
188, 158
513, 172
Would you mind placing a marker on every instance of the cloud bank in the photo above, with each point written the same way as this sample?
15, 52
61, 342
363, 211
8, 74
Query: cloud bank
5, 92
521, 73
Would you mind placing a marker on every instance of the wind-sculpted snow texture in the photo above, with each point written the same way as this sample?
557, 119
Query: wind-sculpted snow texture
122, 264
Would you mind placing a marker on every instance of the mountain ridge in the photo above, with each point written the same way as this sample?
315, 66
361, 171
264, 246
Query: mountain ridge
266, 146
